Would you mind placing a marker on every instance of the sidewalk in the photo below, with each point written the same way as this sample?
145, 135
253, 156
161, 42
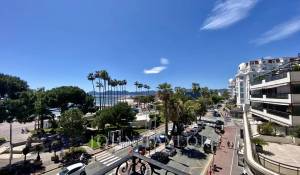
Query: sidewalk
224, 155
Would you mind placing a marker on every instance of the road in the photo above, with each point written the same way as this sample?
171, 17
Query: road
108, 157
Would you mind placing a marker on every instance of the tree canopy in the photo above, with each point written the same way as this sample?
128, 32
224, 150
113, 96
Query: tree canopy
11, 85
72, 122
65, 97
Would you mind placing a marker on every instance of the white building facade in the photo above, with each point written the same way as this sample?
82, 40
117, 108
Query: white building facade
247, 72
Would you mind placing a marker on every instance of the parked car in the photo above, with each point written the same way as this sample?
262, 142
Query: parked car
140, 149
162, 138
170, 150
75, 169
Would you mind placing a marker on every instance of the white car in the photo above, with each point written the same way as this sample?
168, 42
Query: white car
75, 169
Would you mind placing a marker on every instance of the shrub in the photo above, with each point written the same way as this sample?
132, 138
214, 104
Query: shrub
259, 141
2, 140
266, 129
296, 131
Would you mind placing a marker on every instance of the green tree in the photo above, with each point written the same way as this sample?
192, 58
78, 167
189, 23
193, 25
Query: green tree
11, 86
41, 108
65, 97
165, 92
71, 123
103, 117
91, 77
122, 114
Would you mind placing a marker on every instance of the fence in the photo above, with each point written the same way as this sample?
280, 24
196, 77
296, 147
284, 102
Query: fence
278, 167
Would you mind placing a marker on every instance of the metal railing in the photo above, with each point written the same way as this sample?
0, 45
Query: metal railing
278, 167
273, 77
136, 164
278, 113
278, 95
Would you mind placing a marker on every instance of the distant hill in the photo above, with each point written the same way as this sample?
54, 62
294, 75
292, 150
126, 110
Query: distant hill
127, 93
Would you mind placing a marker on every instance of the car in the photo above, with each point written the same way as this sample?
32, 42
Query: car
170, 150
140, 149
75, 169
162, 138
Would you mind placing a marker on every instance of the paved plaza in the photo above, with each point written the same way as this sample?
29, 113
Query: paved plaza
283, 153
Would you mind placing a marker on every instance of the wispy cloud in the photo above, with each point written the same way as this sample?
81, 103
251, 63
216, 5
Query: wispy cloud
228, 12
158, 69
280, 31
164, 61
155, 70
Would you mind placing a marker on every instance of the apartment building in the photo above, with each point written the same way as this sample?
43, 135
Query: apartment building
275, 95
231, 88
247, 72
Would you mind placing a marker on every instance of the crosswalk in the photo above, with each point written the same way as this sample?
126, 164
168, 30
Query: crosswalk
125, 144
106, 158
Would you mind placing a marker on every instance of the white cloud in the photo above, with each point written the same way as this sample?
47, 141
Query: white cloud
164, 61
228, 12
155, 70
280, 31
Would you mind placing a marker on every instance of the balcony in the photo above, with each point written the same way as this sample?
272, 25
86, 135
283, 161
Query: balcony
278, 96
278, 113
271, 81
276, 77
282, 118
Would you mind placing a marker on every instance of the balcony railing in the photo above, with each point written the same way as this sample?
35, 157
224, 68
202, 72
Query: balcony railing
278, 113
256, 95
276, 77
257, 108
278, 96
136, 164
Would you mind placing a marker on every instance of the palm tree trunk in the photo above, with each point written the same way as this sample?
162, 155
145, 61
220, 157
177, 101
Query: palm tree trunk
166, 118
94, 92
100, 103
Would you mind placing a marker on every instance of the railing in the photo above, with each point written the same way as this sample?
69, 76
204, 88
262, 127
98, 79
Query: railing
278, 167
256, 95
136, 164
257, 108
278, 113
278, 95
276, 77
256, 81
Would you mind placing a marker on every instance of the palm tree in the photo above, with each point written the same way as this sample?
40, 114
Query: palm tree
164, 93
99, 85
115, 84
140, 86
145, 88
104, 76
196, 89
110, 91
91, 78
136, 86
125, 92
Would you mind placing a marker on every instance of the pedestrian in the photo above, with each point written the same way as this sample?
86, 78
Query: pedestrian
228, 144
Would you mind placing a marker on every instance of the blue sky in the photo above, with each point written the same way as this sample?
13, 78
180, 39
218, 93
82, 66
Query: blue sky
52, 42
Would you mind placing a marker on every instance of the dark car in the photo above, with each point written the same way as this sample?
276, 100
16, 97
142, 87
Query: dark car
170, 150
140, 149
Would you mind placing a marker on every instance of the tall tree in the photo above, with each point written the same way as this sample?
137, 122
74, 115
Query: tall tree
41, 108
12, 107
99, 85
91, 77
65, 97
196, 90
136, 86
164, 93
104, 75
71, 123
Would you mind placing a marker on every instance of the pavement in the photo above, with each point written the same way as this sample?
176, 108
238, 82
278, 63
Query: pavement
17, 136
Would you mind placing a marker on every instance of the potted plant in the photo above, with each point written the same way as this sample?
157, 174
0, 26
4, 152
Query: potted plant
259, 143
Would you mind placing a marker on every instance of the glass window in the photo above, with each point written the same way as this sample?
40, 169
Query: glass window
295, 88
